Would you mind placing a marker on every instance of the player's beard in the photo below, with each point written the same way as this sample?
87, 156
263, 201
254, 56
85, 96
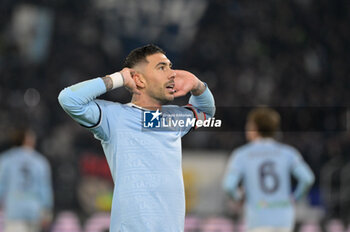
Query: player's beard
165, 100
163, 97
168, 97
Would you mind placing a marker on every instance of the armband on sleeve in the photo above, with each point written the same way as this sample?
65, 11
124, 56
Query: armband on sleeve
199, 115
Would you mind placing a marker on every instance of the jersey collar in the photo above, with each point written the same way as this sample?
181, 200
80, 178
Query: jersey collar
136, 106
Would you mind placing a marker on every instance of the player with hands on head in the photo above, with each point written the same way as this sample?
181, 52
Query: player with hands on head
265, 167
145, 164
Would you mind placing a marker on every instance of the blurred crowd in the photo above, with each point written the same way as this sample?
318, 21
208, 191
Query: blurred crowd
292, 53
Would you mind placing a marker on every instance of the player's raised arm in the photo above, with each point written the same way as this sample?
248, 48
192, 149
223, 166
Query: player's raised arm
78, 100
201, 97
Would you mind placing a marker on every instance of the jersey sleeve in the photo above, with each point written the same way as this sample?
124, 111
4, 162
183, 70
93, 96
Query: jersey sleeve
234, 174
46, 194
302, 172
102, 129
203, 106
78, 101
3, 179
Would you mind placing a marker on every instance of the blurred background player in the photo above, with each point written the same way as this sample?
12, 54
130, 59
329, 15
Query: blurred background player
25, 185
265, 166
145, 164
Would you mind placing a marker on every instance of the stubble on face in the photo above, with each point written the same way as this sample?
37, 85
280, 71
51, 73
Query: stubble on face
156, 74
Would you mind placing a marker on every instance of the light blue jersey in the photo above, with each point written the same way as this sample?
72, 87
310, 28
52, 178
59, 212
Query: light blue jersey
145, 163
265, 167
25, 184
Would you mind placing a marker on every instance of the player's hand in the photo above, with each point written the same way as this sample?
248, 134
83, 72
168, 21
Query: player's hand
129, 82
186, 82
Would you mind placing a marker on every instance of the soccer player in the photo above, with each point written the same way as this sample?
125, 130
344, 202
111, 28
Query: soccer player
145, 164
25, 185
265, 167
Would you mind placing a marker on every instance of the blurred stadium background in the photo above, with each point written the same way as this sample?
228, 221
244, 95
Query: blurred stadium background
293, 53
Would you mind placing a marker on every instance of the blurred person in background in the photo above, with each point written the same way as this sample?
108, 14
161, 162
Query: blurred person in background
25, 185
145, 163
265, 167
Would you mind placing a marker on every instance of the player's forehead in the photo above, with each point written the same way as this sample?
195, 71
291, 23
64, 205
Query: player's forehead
157, 58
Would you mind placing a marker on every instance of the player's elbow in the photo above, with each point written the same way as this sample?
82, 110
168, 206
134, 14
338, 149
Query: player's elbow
227, 187
232, 191
68, 103
63, 98
309, 180
210, 111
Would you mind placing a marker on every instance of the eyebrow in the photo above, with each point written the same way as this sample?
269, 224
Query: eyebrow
164, 63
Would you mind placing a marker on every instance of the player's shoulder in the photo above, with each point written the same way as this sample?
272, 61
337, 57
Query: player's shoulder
288, 148
13, 152
110, 107
176, 107
241, 151
39, 157
8, 154
289, 151
108, 104
176, 111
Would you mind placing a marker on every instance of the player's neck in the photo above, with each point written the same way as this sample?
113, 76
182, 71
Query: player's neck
253, 138
27, 147
146, 102
262, 139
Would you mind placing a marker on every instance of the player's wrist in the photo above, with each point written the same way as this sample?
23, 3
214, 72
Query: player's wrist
113, 81
117, 80
199, 89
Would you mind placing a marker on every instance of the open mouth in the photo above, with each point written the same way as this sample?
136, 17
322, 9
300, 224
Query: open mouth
170, 86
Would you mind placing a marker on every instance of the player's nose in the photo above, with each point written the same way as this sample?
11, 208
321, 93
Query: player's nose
172, 75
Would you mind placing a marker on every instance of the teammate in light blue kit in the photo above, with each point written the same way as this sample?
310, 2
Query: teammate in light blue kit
145, 163
265, 166
25, 186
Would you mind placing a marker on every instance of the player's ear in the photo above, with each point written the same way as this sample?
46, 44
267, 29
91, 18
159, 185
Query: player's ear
139, 79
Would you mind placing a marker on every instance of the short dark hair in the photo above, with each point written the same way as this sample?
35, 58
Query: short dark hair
266, 120
139, 55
